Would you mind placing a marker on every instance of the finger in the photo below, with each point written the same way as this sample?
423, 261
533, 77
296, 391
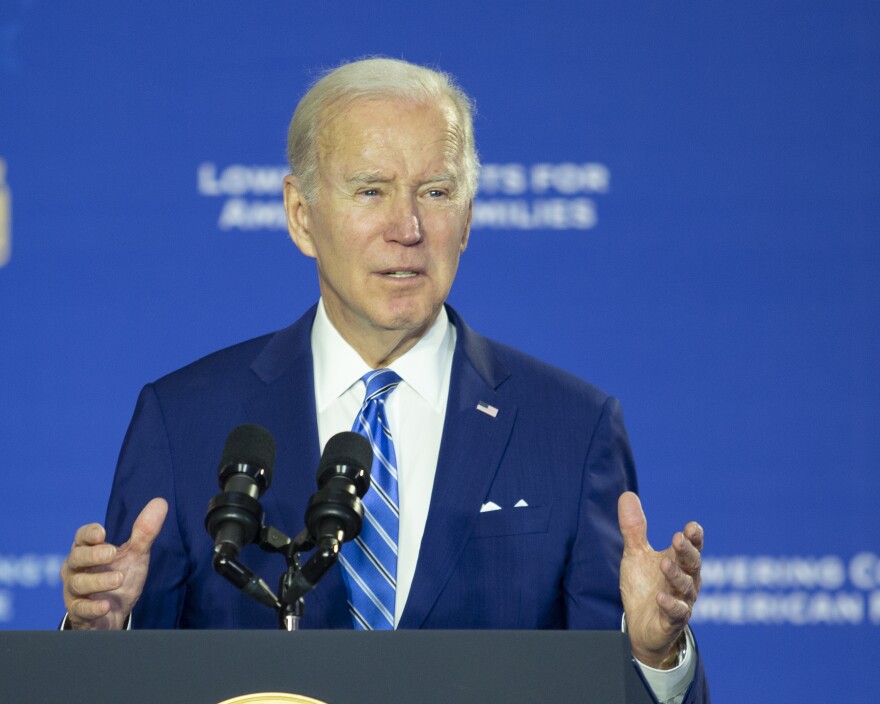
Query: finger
680, 583
89, 534
147, 526
689, 558
85, 584
88, 609
86, 556
686, 554
694, 533
677, 612
633, 524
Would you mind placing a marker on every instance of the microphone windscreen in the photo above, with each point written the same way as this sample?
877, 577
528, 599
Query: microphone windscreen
250, 444
347, 448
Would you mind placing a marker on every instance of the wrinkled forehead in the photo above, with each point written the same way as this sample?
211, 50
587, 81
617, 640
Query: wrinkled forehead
344, 122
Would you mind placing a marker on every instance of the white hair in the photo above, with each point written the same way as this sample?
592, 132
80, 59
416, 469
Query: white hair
374, 78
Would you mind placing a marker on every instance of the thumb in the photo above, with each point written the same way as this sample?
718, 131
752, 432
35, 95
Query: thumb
633, 524
147, 525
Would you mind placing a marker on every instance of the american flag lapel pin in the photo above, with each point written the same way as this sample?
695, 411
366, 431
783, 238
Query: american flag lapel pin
484, 407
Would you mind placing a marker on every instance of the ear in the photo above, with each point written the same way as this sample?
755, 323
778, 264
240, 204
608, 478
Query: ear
298, 220
467, 227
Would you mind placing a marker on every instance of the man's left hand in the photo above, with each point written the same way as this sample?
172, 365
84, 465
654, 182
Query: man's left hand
659, 589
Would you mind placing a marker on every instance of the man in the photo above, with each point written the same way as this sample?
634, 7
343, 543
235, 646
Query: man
513, 476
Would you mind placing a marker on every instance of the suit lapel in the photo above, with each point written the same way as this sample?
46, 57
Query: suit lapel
471, 449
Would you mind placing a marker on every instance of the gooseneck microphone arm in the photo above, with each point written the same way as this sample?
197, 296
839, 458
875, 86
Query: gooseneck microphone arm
226, 565
334, 516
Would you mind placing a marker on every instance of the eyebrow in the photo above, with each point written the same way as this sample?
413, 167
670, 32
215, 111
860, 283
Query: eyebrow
438, 178
367, 178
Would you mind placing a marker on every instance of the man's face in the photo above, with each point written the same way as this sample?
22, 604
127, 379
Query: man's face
390, 221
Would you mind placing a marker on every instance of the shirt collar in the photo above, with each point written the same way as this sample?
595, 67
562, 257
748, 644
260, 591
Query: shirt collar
338, 366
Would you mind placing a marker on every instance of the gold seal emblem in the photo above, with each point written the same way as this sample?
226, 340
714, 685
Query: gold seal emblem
272, 698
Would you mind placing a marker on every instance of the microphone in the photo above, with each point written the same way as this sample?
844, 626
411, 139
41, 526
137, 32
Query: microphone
335, 513
334, 516
235, 517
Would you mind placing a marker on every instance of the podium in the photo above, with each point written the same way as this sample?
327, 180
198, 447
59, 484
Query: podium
337, 667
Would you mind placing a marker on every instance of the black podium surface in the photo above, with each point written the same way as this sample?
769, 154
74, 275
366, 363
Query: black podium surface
338, 667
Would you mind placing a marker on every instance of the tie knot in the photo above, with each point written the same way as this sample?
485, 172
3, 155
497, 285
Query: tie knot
379, 383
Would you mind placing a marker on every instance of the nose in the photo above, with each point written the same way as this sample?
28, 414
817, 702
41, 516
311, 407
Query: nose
404, 226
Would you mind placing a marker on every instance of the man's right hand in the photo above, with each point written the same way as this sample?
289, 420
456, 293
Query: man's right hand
102, 582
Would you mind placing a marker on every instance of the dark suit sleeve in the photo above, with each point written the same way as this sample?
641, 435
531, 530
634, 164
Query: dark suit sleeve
592, 578
698, 692
145, 470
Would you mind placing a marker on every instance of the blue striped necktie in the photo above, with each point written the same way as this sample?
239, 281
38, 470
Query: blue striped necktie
369, 562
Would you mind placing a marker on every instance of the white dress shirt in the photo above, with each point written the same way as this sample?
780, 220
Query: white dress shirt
416, 411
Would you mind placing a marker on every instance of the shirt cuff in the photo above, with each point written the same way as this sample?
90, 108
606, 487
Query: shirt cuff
65, 624
670, 686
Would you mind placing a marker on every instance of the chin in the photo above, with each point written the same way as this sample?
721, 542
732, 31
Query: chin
408, 317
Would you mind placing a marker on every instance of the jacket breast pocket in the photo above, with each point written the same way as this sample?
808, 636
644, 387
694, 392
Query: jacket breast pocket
512, 521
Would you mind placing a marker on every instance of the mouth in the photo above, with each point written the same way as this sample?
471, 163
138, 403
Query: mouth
400, 274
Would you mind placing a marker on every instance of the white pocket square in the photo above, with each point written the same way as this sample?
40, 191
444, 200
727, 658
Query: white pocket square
489, 506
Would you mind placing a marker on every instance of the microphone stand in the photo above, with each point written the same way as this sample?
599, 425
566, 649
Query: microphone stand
294, 584
300, 578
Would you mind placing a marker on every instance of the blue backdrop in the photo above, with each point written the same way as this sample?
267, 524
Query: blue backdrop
680, 203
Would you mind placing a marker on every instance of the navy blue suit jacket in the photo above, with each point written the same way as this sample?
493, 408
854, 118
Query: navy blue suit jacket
556, 442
